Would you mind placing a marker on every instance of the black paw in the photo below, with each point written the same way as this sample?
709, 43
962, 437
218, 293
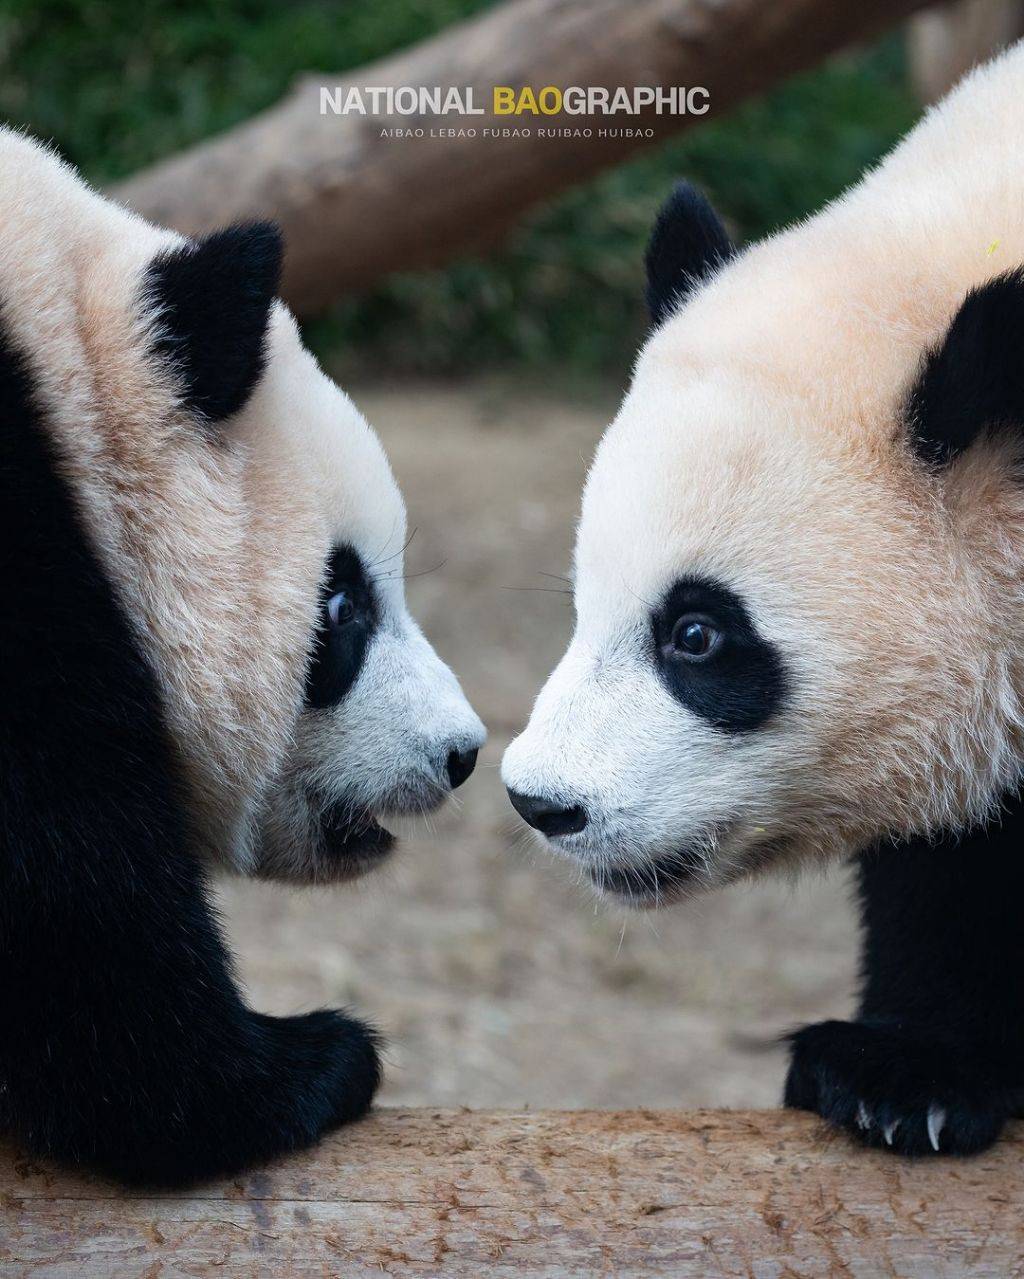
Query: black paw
323, 1069
892, 1090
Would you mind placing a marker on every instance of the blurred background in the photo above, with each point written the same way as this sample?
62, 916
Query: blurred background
496, 977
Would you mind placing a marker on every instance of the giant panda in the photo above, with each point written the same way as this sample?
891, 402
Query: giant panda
205, 659
799, 593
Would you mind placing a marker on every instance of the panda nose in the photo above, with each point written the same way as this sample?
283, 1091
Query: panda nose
460, 766
547, 815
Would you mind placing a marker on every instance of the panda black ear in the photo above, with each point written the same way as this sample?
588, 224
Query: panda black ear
213, 298
974, 379
688, 243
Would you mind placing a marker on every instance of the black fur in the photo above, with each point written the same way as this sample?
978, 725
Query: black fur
974, 380
687, 244
743, 684
339, 651
213, 297
124, 1043
941, 1019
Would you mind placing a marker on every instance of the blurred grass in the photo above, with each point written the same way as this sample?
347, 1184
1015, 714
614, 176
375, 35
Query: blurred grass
117, 85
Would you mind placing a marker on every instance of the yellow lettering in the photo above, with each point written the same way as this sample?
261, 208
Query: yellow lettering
550, 99
504, 99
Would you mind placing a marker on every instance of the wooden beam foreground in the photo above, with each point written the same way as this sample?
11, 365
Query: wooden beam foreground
448, 1193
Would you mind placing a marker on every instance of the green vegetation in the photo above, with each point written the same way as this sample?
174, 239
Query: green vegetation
117, 85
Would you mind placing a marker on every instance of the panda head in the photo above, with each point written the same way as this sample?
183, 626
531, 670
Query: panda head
797, 620
249, 522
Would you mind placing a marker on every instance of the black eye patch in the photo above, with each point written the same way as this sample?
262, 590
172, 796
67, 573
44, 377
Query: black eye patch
348, 615
741, 681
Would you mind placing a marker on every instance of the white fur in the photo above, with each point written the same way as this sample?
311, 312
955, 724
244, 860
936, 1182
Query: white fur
761, 444
218, 553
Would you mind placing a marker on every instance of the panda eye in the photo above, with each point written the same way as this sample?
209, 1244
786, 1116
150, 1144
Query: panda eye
694, 639
341, 608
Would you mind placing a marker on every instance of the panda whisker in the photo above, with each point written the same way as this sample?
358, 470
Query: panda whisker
401, 551
648, 604
423, 572
651, 921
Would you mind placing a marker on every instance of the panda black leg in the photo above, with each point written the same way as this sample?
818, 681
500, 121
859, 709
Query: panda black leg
128, 1048
934, 1062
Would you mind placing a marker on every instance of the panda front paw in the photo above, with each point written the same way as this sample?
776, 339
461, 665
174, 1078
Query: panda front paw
322, 1070
893, 1090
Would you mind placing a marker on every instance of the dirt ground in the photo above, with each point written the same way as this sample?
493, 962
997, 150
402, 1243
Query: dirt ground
495, 976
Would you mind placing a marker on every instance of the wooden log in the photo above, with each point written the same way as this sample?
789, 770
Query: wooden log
355, 206
945, 42
461, 1194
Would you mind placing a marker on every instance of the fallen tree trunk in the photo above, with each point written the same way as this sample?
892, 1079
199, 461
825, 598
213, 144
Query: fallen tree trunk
461, 1194
356, 206
945, 42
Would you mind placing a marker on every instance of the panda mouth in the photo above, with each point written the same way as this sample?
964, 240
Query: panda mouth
352, 841
652, 883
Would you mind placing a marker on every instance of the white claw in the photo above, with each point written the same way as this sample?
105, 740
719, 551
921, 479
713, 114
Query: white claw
863, 1118
889, 1131
936, 1120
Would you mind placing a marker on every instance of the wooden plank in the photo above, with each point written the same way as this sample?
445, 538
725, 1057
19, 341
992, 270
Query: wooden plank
447, 1193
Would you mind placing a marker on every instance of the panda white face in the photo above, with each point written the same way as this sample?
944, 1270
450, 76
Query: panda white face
786, 646
384, 727
666, 750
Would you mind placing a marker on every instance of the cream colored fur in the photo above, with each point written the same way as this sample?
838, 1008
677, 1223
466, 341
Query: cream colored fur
762, 443
218, 552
